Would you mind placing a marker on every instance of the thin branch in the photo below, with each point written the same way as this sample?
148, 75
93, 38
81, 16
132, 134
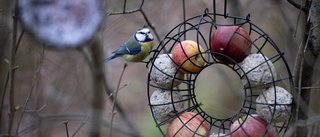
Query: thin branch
298, 6
11, 76
124, 5
303, 72
110, 96
35, 110
84, 121
82, 124
114, 100
2, 97
309, 122
116, 127
293, 3
120, 108
301, 102
66, 125
120, 129
307, 87
123, 12
19, 40
137, 10
150, 24
142, 2
7, 75
35, 82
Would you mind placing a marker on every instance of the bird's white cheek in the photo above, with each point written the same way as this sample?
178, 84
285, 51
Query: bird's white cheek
140, 37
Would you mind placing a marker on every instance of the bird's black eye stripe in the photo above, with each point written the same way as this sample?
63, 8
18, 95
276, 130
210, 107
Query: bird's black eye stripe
143, 32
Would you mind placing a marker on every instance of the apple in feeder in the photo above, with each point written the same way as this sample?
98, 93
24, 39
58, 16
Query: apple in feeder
253, 126
188, 124
231, 41
188, 57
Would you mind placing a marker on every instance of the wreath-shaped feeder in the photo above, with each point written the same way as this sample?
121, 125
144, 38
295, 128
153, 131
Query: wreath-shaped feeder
208, 40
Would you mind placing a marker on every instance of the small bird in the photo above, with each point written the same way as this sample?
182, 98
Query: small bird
136, 49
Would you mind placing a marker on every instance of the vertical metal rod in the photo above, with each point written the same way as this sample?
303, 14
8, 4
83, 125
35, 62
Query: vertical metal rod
225, 8
214, 10
184, 19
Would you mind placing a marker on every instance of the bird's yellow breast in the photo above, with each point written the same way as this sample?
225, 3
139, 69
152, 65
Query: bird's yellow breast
146, 47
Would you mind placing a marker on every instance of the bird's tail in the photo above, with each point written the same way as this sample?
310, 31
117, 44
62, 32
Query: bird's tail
111, 57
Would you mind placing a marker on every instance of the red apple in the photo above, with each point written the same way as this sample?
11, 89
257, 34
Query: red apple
254, 126
231, 41
188, 124
189, 56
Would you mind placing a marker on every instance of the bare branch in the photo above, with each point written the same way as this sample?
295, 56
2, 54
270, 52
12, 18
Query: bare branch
11, 76
137, 10
150, 24
115, 98
123, 12
298, 6
97, 75
34, 83
304, 68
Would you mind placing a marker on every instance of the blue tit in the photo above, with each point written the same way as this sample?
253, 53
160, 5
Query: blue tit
136, 49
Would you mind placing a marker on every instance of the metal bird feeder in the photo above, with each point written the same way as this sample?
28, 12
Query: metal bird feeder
182, 97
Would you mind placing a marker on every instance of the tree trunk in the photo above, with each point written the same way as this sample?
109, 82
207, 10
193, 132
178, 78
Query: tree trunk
304, 68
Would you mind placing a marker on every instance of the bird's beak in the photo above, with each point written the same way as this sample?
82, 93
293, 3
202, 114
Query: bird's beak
149, 39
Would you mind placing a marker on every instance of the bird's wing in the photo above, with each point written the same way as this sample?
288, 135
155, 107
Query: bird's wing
131, 47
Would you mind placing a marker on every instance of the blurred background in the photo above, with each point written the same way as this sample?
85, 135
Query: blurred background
57, 84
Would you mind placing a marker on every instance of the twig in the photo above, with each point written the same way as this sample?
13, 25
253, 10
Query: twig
36, 110
115, 98
310, 121
303, 78
120, 108
19, 40
2, 97
124, 11
66, 125
124, 5
110, 96
84, 121
297, 22
298, 6
11, 76
5, 84
76, 116
7, 76
119, 128
78, 129
34, 83
307, 87
150, 24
